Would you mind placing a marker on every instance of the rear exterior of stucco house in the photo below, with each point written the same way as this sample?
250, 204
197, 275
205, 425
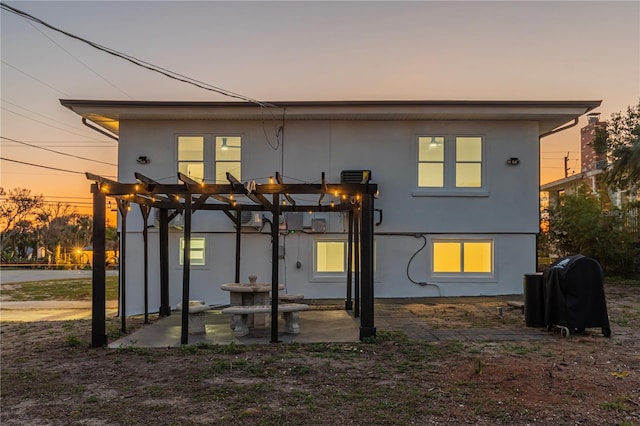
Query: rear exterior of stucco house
458, 180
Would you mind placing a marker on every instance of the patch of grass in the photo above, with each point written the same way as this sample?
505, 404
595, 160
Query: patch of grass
73, 341
617, 404
69, 289
519, 349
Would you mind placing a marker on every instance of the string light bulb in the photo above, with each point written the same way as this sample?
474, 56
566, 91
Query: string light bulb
271, 180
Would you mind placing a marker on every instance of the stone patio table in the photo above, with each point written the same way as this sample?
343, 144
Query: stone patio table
251, 294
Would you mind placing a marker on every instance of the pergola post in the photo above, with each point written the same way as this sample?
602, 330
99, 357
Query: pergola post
145, 237
186, 266
275, 266
165, 309
98, 295
238, 241
367, 328
357, 268
348, 304
123, 208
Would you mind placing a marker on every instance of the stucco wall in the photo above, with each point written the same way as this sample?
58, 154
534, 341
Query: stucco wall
506, 212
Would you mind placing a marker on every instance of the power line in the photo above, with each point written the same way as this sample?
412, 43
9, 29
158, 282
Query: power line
39, 165
58, 152
147, 65
36, 79
42, 115
82, 63
46, 124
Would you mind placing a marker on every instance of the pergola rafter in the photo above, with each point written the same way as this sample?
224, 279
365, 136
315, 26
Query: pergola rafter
190, 196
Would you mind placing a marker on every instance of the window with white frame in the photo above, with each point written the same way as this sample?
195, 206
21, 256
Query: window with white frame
330, 258
462, 257
191, 156
209, 157
196, 252
450, 162
228, 157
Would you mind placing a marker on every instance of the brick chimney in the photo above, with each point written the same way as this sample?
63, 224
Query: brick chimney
588, 157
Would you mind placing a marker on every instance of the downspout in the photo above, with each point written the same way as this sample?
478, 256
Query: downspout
91, 126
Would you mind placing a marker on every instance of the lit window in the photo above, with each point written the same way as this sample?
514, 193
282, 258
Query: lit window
228, 157
450, 162
468, 257
197, 252
191, 156
468, 162
431, 161
330, 256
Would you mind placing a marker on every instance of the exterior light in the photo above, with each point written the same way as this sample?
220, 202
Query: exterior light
513, 161
224, 146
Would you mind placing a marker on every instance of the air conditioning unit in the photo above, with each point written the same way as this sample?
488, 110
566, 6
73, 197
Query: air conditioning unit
250, 219
355, 176
176, 223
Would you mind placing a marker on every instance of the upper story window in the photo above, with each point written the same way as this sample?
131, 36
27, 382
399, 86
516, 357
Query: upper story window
228, 156
450, 162
191, 156
209, 158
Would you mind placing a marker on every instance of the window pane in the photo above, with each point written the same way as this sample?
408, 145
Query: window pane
330, 256
468, 149
446, 257
228, 148
194, 170
223, 167
477, 257
431, 175
197, 252
190, 148
431, 148
468, 175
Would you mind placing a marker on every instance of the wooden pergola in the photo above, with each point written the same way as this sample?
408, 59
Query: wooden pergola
355, 198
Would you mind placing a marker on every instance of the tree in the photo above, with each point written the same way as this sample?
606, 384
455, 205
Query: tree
620, 140
579, 225
17, 205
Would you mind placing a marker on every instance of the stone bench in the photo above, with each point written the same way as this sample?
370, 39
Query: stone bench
241, 316
290, 298
197, 308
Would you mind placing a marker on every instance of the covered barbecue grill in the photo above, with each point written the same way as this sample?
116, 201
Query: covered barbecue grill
574, 296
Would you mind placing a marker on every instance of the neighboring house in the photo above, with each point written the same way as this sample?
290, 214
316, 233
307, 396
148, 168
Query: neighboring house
458, 181
592, 167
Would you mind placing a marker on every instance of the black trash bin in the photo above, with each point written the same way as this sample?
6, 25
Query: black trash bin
574, 295
533, 300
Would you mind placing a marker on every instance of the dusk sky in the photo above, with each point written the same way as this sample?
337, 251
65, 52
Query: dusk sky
289, 51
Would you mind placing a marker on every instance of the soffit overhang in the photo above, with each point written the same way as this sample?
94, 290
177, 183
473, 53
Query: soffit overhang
549, 114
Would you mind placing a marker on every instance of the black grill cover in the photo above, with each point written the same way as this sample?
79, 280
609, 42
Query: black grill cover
574, 294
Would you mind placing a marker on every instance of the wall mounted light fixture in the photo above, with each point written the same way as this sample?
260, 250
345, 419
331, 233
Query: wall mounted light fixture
143, 159
513, 161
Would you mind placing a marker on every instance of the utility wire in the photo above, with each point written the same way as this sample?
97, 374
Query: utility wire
57, 152
82, 63
46, 124
44, 116
155, 68
36, 79
39, 165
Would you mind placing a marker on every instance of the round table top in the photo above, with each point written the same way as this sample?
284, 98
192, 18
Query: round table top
249, 287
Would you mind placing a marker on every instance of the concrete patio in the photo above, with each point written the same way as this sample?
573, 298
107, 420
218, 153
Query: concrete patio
321, 326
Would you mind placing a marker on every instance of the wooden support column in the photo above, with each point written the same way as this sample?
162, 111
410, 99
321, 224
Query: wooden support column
186, 266
123, 208
144, 209
98, 295
238, 220
275, 264
367, 328
348, 304
165, 309
358, 252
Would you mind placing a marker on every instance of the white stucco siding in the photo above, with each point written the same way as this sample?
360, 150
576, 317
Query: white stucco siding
514, 256
506, 211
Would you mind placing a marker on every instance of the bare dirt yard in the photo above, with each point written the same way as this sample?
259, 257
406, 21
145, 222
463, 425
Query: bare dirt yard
51, 376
